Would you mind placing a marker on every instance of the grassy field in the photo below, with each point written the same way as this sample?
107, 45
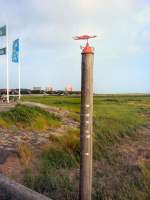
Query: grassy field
68, 103
121, 156
119, 172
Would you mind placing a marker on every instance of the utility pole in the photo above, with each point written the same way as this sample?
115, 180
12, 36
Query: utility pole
86, 120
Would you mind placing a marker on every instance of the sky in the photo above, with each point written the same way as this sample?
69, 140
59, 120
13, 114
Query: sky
50, 57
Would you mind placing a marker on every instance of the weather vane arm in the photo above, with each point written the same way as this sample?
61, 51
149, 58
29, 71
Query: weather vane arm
83, 37
86, 49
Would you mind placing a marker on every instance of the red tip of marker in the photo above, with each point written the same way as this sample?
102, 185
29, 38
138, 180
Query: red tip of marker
87, 49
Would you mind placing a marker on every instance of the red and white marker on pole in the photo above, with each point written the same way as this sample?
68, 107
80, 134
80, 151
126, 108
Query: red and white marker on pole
86, 119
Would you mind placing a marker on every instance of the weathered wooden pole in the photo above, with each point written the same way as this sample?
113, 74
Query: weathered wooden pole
86, 121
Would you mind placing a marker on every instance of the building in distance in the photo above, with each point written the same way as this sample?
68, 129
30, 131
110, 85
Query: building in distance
37, 88
69, 88
49, 89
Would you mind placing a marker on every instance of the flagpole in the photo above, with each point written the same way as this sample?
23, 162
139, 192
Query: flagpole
1, 75
19, 72
7, 63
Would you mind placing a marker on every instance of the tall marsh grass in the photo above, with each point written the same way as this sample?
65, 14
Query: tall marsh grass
115, 176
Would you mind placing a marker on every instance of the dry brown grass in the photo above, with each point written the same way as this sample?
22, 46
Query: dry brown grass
24, 152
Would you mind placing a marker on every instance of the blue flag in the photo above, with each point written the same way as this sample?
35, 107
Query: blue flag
3, 51
15, 51
3, 31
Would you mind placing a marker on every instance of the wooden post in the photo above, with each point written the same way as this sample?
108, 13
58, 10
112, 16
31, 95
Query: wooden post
86, 123
14, 191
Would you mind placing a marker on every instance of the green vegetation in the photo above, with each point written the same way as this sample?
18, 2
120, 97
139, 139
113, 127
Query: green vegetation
121, 153
63, 152
58, 160
62, 102
29, 118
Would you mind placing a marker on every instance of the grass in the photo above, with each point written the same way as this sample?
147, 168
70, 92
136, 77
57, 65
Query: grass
62, 102
63, 152
56, 183
25, 154
117, 120
58, 162
29, 118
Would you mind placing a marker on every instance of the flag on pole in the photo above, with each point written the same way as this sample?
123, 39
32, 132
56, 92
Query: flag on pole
15, 51
3, 51
16, 59
3, 31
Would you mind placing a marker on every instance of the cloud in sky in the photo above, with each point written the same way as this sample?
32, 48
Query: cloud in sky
50, 55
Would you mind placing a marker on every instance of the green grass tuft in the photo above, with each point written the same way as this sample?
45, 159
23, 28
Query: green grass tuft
30, 118
63, 152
